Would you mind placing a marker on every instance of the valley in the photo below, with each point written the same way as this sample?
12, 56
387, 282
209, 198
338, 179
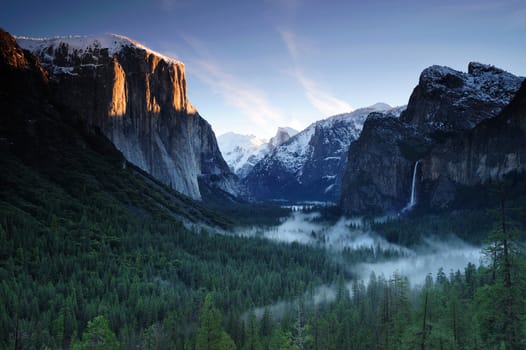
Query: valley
125, 223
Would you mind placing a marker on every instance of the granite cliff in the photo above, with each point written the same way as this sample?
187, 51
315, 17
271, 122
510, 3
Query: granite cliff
492, 149
438, 129
138, 99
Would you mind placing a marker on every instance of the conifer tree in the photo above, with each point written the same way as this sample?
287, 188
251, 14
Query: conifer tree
501, 304
210, 335
98, 336
252, 342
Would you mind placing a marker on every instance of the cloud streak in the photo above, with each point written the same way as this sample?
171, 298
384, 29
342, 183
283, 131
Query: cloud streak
318, 97
252, 102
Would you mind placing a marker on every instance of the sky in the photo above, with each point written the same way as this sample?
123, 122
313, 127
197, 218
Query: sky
254, 65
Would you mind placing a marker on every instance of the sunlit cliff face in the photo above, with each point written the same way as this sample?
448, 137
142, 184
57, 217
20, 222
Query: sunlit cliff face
169, 95
138, 99
119, 95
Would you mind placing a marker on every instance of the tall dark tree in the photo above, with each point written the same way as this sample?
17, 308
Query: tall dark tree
98, 336
502, 303
210, 335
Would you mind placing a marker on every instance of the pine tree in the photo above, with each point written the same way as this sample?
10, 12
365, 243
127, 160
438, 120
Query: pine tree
98, 336
501, 304
252, 342
210, 335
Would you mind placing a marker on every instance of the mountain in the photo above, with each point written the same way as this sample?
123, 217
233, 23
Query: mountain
283, 134
54, 162
310, 165
391, 152
493, 149
138, 99
242, 152
87, 236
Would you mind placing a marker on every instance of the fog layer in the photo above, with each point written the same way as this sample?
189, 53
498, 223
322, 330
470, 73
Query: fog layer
450, 254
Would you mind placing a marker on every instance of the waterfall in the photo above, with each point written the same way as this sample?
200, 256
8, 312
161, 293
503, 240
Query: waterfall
412, 199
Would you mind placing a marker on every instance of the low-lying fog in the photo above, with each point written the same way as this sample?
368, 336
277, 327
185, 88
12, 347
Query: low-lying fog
450, 254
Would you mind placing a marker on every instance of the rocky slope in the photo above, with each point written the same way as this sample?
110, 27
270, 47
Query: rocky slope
443, 108
138, 99
51, 160
310, 165
492, 149
242, 152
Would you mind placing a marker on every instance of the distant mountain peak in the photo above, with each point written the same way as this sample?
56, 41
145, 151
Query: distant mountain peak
283, 134
242, 152
288, 130
380, 106
309, 165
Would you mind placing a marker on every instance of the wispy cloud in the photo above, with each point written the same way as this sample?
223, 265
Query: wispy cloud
318, 96
251, 101
291, 42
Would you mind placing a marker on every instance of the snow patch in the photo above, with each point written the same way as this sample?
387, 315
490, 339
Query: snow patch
84, 44
482, 82
295, 153
242, 152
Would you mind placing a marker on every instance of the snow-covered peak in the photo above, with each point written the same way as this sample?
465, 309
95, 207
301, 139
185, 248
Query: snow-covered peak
482, 82
295, 152
282, 135
242, 152
230, 140
311, 164
82, 44
380, 106
288, 130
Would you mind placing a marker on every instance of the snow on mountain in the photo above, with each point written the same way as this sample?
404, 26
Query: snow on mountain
296, 152
310, 165
82, 46
463, 92
482, 82
444, 130
138, 99
238, 150
242, 152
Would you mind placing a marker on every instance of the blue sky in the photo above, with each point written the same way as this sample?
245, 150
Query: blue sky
254, 65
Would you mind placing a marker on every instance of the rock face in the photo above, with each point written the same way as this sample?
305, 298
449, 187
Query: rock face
310, 165
138, 99
444, 109
448, 100
489, 151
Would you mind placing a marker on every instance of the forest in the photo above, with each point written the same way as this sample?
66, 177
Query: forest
97, 255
